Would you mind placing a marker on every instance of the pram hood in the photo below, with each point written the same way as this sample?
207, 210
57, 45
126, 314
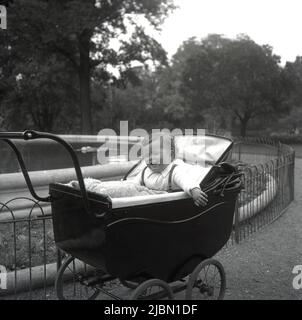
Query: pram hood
205, 150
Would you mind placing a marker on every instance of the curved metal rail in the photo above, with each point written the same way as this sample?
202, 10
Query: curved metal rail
33, 135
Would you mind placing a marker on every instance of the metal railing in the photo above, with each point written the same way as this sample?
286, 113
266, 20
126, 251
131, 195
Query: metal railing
269, 186
28, 251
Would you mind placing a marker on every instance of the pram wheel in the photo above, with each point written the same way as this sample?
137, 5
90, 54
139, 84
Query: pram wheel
207, 281
153, 289
76, 281
129, 284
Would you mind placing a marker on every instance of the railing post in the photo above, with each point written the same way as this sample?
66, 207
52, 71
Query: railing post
236, 224
292, 174
239, 152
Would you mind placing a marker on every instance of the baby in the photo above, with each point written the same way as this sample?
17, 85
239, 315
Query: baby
161, 171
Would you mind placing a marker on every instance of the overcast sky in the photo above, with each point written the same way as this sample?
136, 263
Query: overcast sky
274, 22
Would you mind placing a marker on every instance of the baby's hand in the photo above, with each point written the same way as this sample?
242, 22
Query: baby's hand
200, 198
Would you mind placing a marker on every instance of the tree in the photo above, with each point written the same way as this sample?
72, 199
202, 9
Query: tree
293, 74
255, 83
233, 76
135, 99
197, 62
6, 79
42, 93
82, 32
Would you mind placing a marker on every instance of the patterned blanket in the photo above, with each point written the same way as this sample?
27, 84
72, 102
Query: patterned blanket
115, 189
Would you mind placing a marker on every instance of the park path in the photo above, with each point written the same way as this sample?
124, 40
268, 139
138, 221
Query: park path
261, 266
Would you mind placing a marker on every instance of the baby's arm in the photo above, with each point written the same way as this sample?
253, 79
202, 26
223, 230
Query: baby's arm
187, 183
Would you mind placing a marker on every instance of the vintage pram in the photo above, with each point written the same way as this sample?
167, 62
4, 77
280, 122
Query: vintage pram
156, 245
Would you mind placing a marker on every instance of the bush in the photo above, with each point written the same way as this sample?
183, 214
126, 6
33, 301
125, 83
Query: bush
288, 139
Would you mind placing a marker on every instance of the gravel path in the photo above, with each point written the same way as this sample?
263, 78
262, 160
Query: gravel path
261, 266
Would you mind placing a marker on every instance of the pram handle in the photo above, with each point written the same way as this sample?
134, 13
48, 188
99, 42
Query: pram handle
32, 135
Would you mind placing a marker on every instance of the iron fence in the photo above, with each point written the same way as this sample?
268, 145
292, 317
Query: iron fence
28, 251
268, 184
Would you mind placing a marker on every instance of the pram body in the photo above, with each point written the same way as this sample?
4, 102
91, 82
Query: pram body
156, 237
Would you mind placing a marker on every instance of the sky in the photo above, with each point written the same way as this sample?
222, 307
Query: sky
274, 22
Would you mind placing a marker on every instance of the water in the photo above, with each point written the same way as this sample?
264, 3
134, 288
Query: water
47, 155
40, 155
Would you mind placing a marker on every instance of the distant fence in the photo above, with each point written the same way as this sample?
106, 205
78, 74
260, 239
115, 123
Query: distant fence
28, 251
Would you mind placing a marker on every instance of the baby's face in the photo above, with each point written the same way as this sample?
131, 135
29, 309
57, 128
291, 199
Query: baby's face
157, 160
157, 168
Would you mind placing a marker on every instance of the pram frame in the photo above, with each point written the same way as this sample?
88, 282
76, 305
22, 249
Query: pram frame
91, 203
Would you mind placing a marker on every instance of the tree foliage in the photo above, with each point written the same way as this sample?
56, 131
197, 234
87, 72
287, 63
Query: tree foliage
69, 66
237, 77
44, 93
211, 83
82, 32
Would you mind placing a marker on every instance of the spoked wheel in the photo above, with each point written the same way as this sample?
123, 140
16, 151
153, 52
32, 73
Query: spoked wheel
153, 289
207, 281
76, 281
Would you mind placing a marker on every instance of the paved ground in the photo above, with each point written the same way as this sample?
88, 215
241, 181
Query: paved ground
261, 266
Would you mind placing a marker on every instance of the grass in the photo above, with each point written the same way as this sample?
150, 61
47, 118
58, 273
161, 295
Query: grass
26, 244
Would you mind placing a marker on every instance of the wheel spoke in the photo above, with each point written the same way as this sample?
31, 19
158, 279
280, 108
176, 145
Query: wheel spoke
154, 289
215, 274
70, 284
207, 281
